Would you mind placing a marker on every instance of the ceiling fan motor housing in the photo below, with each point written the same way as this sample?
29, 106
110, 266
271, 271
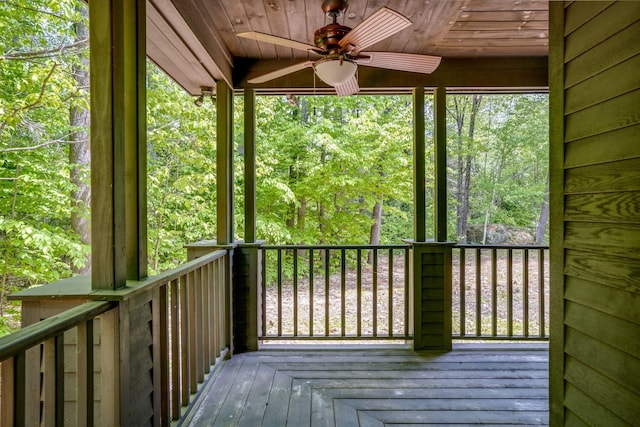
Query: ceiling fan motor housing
327, 38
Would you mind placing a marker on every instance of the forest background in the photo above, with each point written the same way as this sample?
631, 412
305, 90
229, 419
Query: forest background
330, 170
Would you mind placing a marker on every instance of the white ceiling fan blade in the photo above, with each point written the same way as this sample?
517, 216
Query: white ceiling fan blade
425, 64
382, 24
281, 72
281, 41
350, 87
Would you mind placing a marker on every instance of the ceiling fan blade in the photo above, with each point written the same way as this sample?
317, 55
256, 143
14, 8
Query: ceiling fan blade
382, 24
425, 64
281, 41
350, 87
281, 72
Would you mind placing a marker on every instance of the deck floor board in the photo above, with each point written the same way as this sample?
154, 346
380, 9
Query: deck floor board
472, 385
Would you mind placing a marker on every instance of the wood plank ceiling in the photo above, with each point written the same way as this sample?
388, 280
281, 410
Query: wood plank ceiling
447, 28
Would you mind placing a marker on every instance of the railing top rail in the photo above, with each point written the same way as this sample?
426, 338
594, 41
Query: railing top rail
133, 287
500, 246
34, 334
396, 246
176, 272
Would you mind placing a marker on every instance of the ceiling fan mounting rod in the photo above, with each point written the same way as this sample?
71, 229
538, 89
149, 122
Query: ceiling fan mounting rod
334, 9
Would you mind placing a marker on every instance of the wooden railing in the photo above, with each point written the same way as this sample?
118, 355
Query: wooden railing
323, 292
157, 339
43, 345
500, 292
194, 328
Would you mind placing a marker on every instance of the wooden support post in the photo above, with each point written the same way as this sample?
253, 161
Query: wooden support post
136, 140
557, 230
224, 163
440, 155
249, 166
247, 275
430, 263
430, 273
419, 201
118, 211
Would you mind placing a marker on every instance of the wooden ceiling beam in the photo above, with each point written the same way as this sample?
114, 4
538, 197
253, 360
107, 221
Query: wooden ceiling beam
516, 72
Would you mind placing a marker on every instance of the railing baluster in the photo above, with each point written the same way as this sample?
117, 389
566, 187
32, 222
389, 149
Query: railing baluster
494, 292
541, 293
463, 291
295, 292
184, 340
89, 414
226, 323
206, 322
510, 292
20, 389
374, 293
212, 312
215, 303
311, 292
164, 353
327, 278
343, 290
390, 295
406, 291
82, 374
49, 382
525, 291
359, 293
199, 339
264, 292
279, 283
175, 352
193, 369
59, 378
478, 292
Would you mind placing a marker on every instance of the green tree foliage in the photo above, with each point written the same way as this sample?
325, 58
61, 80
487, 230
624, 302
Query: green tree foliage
506, 157
38, 52
181, 171
37, 55
324, 163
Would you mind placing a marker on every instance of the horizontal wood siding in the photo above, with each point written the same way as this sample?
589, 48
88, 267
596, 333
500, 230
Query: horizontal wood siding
601, 219
246, 274
431, 270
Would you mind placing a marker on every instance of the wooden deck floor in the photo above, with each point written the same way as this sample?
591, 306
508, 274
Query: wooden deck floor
479, 384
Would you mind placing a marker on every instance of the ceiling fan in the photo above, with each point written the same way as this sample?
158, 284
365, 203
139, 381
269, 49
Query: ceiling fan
341, 49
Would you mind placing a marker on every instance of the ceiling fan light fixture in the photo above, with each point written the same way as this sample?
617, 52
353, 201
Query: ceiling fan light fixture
335, 71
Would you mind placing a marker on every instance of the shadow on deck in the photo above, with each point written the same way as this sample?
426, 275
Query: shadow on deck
482, 384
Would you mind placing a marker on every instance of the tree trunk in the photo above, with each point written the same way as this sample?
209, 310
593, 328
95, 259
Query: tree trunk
465, 159
302, 210
321, 223
459, 115
469, 159
79, 152
544, 217
463, 215
374, 238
